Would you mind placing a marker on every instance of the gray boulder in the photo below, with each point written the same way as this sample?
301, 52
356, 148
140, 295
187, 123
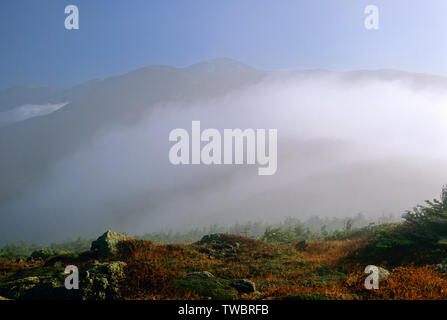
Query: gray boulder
383, 273
441, 267
300, 245
216, 238
97, 281
106, 245
16, 289
40, 288
243, 285
100, 281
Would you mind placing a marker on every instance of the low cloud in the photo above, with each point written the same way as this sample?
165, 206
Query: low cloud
28, 111
344, 147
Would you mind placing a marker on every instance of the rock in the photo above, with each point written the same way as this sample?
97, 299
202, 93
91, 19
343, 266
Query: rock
383, 273
201, 274
216, 238
100, 281
219, 245
37, 288
243, 285
441, 267
96, 282
16, 289
208, 287
106, 245
300, 245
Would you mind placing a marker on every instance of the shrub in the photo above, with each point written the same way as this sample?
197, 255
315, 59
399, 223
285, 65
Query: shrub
421, 239
45, 253
18, 250
277, 235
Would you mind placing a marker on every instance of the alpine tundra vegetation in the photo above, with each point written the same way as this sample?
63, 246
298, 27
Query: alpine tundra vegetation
291, 260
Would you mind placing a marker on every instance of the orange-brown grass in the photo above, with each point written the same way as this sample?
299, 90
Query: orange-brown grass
280, 271
277, 270
332, 250
151, 269
333, 293
404, 283
8, 268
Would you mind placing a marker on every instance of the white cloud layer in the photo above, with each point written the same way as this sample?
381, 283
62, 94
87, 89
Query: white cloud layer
343, 147
28, 111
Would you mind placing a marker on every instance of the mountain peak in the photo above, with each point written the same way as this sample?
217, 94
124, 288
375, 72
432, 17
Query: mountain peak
218, 65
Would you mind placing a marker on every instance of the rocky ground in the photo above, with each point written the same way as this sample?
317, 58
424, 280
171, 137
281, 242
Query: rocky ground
219, 266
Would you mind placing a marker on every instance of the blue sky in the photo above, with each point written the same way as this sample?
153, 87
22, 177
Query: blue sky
118, 36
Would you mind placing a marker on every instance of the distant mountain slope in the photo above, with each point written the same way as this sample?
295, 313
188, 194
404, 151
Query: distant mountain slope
31, 93
101, 161
27, 111
219, 65
32, 145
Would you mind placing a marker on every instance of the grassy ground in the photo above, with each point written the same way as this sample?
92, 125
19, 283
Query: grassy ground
324, 269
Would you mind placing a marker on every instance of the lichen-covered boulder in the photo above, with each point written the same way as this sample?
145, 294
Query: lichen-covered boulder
107, 244
17, 288
101, 281
243, 285
207, 287
219, 245
441, 267
383, 273
39, 288
212, 238
97, 281
300, 245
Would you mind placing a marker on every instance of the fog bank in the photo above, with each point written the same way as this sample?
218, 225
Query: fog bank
372, 146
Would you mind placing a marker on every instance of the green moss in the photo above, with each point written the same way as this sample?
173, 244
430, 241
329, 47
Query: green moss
218, 289
326, 275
